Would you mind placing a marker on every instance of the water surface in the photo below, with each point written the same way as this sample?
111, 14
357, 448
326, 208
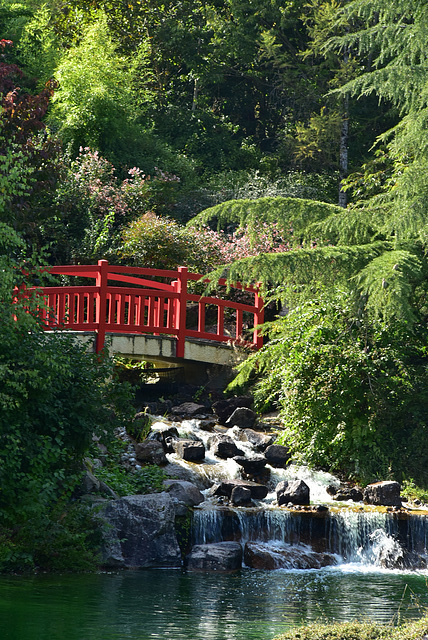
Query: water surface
159, 604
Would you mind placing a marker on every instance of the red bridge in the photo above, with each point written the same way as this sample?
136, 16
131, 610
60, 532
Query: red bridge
149, 301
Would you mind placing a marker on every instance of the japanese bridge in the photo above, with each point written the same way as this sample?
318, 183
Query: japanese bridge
153, 314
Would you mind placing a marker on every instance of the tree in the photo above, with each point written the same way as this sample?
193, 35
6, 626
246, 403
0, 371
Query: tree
394, 36
28, 167
54, 397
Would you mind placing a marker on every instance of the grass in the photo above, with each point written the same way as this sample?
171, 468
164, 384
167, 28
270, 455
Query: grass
359, 631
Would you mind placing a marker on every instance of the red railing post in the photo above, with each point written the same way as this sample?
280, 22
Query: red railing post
259, 317
181, 310
101, 308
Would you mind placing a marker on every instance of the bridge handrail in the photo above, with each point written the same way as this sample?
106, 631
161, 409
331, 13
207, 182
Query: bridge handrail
151, 307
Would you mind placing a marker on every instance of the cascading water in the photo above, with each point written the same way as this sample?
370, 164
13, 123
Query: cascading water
356, 536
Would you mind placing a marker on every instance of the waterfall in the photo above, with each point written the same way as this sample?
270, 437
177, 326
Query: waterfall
366, 538
354, 534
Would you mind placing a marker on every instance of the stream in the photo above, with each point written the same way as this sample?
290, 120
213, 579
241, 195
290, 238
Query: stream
250, 604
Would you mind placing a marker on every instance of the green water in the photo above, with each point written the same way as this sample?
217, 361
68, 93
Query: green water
251, 605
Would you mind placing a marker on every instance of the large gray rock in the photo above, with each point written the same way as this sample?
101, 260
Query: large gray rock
150, 451
220, 556
223, 446
383, 493
242, 417
140, 532
296, 492
259, 555
177, 471
278, 456
183, 491
225, 488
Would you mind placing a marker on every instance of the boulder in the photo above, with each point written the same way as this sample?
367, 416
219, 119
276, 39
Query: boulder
183, 491
260, 441
223, 446
220, 556
296, 492
190, 450
383, 493
224, 408
190, 410
240, 496
139, 532
150, 451
280, 555
242, 417
225, 488
277, 456
252, 466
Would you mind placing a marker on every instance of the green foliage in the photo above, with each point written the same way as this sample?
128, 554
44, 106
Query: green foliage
352, 394
357, 631
139, 428
54, 397
64, 538
148, 479
290, 214
162, 243
307, 270
411, 491
94, 100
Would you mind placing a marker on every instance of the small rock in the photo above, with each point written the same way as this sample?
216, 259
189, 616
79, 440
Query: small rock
252, 466
223, 446
296, 492
165, 434
259, 555
184, 492
383, 493
240, 496
260, 441
220, 556
242, 417
348, 493
190, 409
258, 491
190, 450
278, 456
224, 408
150, 451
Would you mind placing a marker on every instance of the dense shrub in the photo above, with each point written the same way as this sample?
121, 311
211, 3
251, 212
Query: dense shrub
353, 396
54, 397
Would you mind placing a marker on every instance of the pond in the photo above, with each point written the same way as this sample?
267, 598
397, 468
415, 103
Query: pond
159, 604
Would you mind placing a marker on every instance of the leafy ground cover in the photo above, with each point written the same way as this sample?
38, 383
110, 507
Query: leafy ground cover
358, 631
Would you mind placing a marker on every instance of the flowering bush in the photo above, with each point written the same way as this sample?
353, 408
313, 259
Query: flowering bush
162, 243
95, 204
154, 241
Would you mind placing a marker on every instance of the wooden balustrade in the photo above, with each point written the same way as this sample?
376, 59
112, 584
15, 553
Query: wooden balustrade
145, 305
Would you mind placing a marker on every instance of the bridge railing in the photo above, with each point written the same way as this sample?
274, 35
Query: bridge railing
145, 305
